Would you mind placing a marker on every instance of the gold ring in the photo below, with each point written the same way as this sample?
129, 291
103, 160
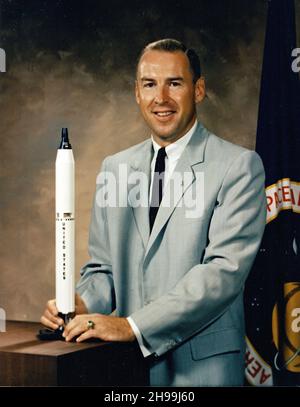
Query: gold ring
90, 325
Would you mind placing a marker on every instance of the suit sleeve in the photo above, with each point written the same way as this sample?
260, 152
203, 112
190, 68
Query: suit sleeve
208, 289
96, 285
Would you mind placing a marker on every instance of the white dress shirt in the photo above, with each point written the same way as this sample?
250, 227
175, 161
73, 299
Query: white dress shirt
173, 153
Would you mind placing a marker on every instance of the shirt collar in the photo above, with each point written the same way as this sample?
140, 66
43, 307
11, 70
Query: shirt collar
174, 150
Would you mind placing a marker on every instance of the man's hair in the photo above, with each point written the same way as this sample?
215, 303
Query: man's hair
171, 45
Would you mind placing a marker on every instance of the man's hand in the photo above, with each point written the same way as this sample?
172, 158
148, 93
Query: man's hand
50, 317
106, 327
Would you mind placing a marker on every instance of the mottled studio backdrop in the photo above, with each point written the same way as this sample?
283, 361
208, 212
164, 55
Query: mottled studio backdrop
71, 64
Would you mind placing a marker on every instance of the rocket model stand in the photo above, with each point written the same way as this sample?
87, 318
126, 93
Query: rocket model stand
65, 235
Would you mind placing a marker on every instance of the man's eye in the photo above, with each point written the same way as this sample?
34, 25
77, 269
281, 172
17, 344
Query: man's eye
148, 85
175, 84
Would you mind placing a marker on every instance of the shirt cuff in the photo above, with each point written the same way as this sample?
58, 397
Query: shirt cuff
141, 342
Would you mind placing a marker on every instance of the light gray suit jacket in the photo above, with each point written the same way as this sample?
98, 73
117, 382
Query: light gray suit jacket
183, 284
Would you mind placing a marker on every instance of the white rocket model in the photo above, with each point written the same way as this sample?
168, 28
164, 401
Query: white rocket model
65, 228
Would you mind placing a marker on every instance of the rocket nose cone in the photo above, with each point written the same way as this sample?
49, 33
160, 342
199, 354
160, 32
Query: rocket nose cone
64, 144
64, 135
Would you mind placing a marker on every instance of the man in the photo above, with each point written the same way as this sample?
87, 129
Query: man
174, 273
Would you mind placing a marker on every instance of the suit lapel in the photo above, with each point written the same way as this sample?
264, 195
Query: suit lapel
142, 164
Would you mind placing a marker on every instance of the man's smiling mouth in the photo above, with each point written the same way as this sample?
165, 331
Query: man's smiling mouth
165, 113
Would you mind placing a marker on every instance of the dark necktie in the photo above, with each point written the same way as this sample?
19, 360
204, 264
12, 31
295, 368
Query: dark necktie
157, 185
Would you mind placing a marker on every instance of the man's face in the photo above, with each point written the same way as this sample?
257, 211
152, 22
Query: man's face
167, 95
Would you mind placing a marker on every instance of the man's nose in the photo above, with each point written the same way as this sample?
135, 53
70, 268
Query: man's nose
161, 95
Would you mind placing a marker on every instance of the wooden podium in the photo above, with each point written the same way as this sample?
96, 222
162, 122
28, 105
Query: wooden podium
28, 361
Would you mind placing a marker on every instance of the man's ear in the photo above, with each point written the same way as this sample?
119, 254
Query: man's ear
137, 95
200, 90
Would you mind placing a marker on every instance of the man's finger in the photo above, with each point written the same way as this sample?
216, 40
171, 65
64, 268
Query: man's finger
71, 325
77, 330
45, 321
91, 333
52, 318
51, 305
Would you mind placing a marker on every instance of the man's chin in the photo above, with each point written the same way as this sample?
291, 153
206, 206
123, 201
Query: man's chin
164, 134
